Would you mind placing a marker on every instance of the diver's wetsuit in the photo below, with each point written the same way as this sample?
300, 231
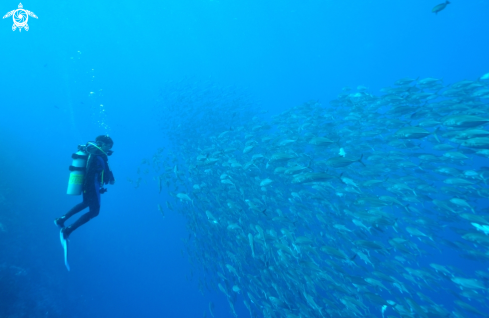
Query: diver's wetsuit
97, 169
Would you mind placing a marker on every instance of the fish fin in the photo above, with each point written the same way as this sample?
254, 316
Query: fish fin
483, 179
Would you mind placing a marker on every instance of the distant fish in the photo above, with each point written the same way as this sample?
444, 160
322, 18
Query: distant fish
405, 81
440, 7
211, 308
161, 210
485, 77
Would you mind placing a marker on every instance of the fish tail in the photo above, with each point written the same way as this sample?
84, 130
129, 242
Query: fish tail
360, 160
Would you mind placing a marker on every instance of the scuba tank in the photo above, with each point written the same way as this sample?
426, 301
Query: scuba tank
81, 161
77, 174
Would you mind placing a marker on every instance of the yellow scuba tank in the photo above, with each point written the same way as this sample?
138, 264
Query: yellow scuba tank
77, 174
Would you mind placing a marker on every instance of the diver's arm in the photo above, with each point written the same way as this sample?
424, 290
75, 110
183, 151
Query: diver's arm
110, 175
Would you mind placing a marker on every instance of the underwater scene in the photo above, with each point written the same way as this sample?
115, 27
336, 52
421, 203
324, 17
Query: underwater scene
220, 158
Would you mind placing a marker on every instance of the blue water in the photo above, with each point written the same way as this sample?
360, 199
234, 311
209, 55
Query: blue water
87, 68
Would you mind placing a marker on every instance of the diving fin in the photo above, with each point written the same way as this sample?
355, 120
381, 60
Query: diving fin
64, 244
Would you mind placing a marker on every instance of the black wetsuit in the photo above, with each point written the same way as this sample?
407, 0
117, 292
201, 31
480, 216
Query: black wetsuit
97, 173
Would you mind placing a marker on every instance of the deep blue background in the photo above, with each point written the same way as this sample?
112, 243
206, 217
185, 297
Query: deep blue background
128, 262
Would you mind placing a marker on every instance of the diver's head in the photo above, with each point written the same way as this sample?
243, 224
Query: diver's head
105, 143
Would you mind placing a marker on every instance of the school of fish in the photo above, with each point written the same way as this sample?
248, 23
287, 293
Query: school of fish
359, 208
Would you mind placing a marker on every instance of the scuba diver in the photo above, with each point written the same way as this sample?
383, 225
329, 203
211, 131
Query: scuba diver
96, 174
